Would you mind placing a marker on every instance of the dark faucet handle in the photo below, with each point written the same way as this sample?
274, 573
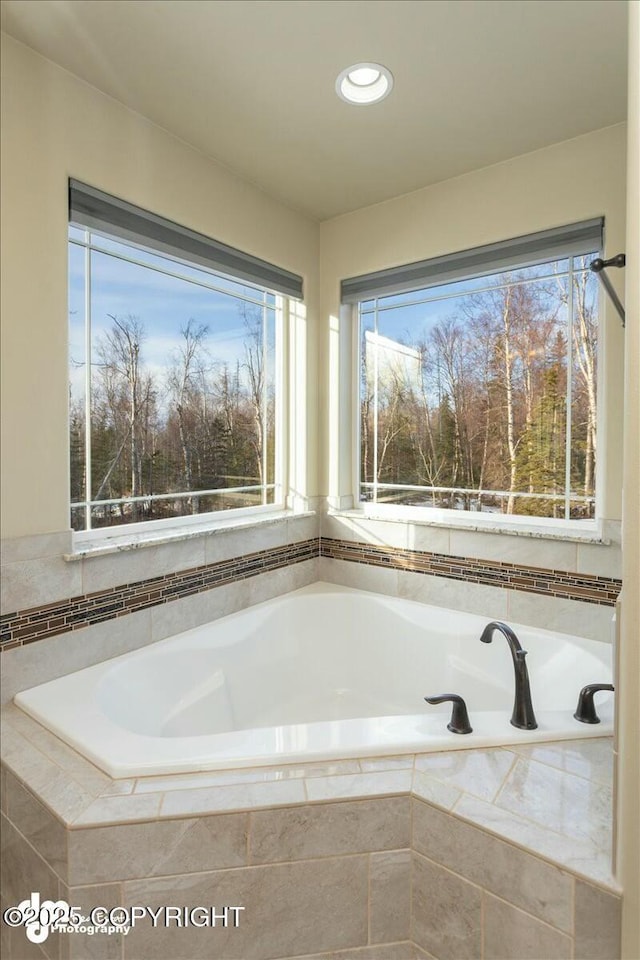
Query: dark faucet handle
586, 711
459, 722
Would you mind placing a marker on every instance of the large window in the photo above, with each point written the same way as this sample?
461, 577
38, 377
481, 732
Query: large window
174, 383
480, 394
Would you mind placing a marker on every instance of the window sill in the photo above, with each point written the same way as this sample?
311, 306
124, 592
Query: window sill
580, 531
86, 549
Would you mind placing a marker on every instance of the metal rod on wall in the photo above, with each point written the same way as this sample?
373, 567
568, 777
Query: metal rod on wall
598, 267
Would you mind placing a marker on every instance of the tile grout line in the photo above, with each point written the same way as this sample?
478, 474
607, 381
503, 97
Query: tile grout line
573, 913
545, 858
514, 906
218, 870
369, 855
515, 748
37, 853
249, 816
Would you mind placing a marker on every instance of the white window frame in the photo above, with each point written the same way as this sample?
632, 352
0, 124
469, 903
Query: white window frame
175, 526
555, 528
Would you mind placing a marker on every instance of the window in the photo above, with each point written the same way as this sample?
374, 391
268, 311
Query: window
175, 373
479, 393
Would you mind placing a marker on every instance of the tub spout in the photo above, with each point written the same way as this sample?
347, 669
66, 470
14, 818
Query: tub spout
523, 715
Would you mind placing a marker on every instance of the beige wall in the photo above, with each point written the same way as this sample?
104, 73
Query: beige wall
628, 765
55, 126
561, 184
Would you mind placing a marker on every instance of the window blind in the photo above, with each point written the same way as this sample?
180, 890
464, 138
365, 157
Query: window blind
554, 244
94, 210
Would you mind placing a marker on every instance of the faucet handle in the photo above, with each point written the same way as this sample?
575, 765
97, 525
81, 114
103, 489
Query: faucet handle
459, 722
586, 711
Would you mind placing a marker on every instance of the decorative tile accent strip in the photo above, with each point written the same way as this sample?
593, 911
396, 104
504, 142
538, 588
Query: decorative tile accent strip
49, 620
25, 626
510, 576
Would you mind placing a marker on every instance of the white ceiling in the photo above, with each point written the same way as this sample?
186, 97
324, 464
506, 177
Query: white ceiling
251, 82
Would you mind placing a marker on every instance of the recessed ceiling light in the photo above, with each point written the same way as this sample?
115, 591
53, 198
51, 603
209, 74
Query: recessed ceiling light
364, 83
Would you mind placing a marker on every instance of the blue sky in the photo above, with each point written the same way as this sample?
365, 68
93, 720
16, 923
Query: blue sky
164, 304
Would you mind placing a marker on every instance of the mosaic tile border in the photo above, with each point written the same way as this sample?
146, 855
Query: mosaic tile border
510, 576
38, 623
49, 620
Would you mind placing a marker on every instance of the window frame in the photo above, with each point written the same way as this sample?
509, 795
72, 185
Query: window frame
190, 524
562, 528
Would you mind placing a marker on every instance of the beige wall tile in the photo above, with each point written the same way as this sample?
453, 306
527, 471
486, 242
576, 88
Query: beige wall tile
445, 912
54, 786
505, 548
422, 954
125, 809
118, 788
3, 788
524, 880
362, 576
44, 660
329, 829
390, 896
597, 923
276, 582
303, 527
379, 533
24, 870
5, 931
79, 769
30, 583
129, 566
600, 560
386, 951
591, 759
245, 796
35, 547
359, 785
98, 946
14, 944
583, 856
434, 791
429, 538
290, 909
588, 620
102, 854
480, 772
511, 934
221, 778
558, 801
224, 544
375, 764
184, 613
455, 594
43, 831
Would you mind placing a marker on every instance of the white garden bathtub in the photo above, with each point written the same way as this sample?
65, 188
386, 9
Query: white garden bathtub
320, 673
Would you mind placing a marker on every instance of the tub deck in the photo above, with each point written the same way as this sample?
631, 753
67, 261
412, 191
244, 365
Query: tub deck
552, 799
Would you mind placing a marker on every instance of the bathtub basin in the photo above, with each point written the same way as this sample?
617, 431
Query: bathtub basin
321, 673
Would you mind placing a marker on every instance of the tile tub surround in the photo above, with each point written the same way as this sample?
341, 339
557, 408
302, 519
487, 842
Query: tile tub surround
353, 858
508, 576
53, 619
